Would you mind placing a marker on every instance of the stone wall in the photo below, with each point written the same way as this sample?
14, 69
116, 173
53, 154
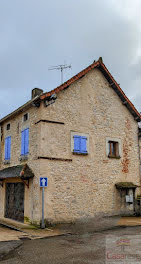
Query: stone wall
79, 186
85, 186
32, 194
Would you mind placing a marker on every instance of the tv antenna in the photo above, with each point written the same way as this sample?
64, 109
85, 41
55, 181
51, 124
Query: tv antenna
61, 68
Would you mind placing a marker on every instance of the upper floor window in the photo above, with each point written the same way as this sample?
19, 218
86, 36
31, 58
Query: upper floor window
113, 148
25, 141
7, 148
8, 127
79, 143
25, 117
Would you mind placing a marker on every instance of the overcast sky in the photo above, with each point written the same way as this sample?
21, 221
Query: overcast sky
36, 34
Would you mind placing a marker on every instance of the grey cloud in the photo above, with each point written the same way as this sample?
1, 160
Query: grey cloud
37, 34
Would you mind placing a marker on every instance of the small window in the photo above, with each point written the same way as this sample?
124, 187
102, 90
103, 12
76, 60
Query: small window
113, 149
25, 117
79, 143
8, 127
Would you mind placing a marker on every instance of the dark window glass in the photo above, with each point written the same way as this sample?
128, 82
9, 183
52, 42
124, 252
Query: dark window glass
8, 127
113, 149
25, 117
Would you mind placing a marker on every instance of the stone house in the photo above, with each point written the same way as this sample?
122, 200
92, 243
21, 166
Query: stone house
83, 136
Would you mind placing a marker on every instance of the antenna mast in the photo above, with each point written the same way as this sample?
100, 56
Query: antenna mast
61, 68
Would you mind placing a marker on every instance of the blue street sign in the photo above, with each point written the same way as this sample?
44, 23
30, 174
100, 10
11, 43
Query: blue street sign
43, 182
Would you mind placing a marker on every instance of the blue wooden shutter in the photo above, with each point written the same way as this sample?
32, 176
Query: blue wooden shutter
26, 140
8, 148
22, 142
83, 144
76, 143
6, 144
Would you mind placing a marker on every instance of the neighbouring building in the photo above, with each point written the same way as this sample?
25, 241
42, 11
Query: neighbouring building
83, 136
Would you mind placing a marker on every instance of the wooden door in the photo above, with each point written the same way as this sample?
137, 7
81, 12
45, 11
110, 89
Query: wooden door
14, 206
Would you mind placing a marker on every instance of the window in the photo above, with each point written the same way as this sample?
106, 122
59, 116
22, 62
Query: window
25, 117
8, 127
113, 149
25, 141
79, 143
7, 148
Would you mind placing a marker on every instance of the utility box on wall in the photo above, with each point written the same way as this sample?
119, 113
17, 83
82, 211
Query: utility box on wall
129, 198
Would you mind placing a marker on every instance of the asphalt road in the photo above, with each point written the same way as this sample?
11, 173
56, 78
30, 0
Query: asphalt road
122, 245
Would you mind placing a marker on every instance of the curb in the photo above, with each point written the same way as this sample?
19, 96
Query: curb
11, 227
30, 236
59, 235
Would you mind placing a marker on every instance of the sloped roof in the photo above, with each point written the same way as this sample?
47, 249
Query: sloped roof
19, 171
100, 65
97, 64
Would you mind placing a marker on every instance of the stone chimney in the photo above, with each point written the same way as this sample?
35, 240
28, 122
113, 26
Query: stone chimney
35, 92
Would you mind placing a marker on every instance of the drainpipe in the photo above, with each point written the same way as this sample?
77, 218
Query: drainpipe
134, 204
139, 138
1, 138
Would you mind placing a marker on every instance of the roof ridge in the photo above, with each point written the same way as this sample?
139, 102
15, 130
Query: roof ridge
96, 64
71, 80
